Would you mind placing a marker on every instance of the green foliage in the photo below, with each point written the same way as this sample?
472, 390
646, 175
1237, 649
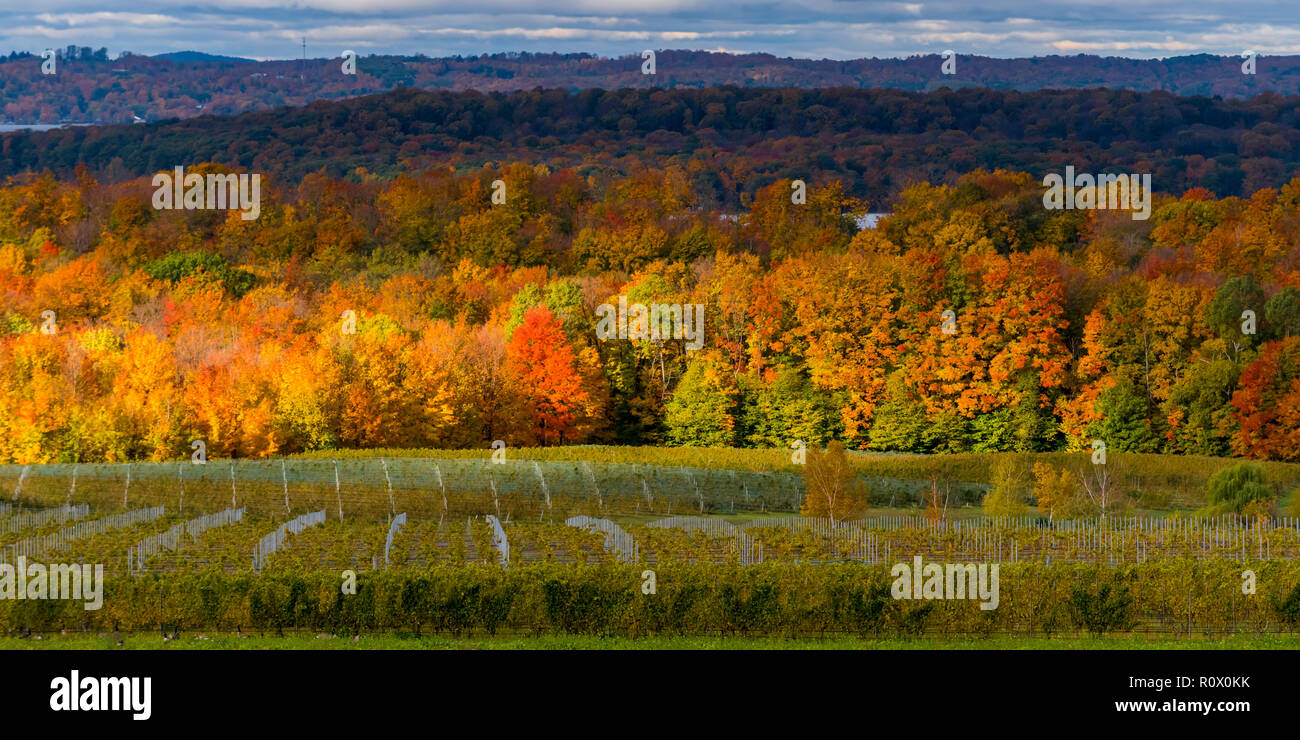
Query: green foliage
786, 409
1282, 314
562, 297
1031, 426
177, 266
992, 432
776, 599
703, 409
1232, 488
528, 296
13, 323
1107, 609
1126, 422
1007, 498
1236, 295
379, 328
1288, 608
899, 424
1203, 399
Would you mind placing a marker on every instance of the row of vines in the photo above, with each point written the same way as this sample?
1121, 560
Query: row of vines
336, 545
1170, 597
557, 484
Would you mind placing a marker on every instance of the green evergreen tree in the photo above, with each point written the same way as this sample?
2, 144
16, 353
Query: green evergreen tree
1125, 424
1282, 315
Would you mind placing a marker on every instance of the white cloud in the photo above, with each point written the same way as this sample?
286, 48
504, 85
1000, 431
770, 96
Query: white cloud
810, 28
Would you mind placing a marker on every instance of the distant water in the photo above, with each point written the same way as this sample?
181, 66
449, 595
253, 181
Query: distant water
869, 220
9, 127
865, 221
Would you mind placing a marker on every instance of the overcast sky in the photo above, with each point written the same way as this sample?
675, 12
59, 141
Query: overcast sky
836, 29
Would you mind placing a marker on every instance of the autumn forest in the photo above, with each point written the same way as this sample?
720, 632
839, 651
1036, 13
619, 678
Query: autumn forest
417, 312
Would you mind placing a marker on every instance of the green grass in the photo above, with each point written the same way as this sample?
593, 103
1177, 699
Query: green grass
410, 642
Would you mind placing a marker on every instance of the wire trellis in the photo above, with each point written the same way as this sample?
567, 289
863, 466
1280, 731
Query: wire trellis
40, 544
138, 555
617, 541
275, 540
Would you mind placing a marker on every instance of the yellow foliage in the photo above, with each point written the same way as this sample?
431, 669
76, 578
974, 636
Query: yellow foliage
13, 259
833, 489
1006, 499
1054, 489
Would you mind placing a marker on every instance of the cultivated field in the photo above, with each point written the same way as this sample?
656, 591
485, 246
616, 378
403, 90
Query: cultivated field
585, 541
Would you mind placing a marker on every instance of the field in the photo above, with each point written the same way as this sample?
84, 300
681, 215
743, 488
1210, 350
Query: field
687, 545
570, 480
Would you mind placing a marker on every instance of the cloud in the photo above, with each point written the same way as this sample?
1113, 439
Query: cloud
837, 29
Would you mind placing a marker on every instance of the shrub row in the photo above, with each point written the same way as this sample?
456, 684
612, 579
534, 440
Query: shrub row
768, 599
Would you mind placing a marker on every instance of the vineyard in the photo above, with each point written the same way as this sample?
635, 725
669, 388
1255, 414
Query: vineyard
1172, 598
1167, 480
377, 488
462, 544
558, 482
152, 541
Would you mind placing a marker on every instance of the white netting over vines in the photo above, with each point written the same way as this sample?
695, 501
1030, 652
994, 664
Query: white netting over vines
32, 519
617, 541
398, 522
275, 540
38, 545
140, 554
381, 487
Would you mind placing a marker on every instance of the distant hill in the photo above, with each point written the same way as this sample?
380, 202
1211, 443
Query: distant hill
187, 84
199, 56
732, 140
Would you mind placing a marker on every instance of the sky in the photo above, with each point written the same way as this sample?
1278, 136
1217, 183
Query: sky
814, 29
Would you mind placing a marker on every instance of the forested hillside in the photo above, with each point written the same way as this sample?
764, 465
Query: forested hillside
89, 87
730, 141
476, 322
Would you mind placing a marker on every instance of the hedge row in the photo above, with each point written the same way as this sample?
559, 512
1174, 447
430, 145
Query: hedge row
769, 599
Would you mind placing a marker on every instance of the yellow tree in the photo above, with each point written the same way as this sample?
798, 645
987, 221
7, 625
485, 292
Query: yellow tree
1006, 499
1054, 489
833, 490
845, 322
145, 396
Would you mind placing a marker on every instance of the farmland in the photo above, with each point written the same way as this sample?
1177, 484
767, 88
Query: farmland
581, 527
569, 480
